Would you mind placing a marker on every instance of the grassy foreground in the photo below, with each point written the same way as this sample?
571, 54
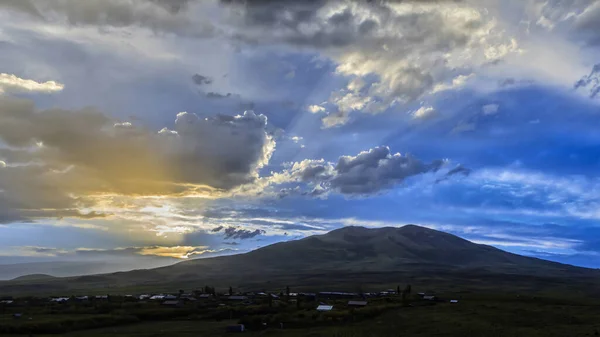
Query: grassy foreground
474, 315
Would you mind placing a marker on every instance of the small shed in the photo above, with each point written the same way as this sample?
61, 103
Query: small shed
323, 307
357, 303
236, 328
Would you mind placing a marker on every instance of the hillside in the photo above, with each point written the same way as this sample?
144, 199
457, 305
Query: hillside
33, 277
345, 257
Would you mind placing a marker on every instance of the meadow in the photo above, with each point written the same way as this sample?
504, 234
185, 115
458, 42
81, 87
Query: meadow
475, 314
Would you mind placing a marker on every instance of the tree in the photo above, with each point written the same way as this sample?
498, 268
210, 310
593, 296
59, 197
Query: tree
398, 292
230, 291
181, 291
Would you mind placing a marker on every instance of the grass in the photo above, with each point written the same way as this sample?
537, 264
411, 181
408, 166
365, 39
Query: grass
476, 314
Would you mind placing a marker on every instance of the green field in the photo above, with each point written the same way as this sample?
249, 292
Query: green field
474, 315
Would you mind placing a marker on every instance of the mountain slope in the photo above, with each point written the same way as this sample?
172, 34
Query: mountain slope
351, 255
380, 249
33, 277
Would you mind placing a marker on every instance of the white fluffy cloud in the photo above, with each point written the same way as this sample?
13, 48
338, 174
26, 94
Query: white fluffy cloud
424, 112
392, 52
316, 109
12, 83
490, 109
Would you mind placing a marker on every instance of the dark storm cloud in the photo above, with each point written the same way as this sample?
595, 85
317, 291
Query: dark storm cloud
217, 229
241, 234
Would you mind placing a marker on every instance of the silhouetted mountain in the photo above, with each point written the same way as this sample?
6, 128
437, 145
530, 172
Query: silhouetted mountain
33, 277
350, 255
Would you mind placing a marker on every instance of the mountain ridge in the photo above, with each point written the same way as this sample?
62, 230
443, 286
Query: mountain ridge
347, 255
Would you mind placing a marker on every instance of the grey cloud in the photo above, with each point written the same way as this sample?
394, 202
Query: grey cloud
587, 23
217, 229
377, 38
507, 82
368, 172
376, 170
44, 250
157, 15
201, 80
241, 234
217, 95
82, 153
458, 170
591, 82
155, 251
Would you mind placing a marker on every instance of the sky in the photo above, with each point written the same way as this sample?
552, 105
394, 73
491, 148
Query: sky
154, 129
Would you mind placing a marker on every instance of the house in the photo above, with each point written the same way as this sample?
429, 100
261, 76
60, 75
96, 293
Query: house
172, 304
170, 297
7, 302
357, 303
102, 297
323, 307
429, 298
144, 297
336, 294
17, 316
59, 299
188, 299
157, 297
82, 298
237, 298
236, 328
453, 301
204, 296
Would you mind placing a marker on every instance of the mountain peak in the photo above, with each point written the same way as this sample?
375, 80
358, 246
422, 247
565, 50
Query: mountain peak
410, 228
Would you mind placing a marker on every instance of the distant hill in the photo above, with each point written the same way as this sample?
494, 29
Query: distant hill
16, 271
33, 277
348, 257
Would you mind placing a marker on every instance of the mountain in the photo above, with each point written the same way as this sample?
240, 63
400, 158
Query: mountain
33, 277
75, 268
346, 257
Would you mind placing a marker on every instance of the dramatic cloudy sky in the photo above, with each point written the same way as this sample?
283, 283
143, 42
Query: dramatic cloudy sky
136, 129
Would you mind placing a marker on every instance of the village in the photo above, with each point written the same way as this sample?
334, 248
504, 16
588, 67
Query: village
248, 311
